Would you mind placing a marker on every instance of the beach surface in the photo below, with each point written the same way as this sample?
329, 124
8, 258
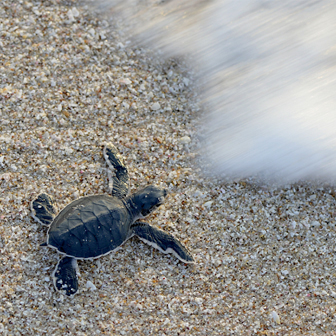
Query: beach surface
72, 81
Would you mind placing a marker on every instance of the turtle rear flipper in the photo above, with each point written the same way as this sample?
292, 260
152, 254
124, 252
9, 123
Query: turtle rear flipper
65, 276
116, 163
43, 209
162, 241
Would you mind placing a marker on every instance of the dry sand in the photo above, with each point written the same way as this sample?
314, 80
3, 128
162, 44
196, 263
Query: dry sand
265, 257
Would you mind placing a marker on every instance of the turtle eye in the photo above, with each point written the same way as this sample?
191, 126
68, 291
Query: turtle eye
145, 212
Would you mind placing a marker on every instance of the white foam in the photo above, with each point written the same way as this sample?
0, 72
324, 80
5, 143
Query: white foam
270, 75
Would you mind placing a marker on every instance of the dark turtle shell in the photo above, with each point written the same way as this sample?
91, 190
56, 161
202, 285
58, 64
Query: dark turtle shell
90, 226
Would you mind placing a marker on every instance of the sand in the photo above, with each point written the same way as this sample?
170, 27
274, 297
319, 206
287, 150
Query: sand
265, 256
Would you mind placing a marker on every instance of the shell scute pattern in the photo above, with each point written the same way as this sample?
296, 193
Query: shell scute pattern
90, 230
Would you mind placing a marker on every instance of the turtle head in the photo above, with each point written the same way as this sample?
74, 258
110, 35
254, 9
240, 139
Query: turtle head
147, 200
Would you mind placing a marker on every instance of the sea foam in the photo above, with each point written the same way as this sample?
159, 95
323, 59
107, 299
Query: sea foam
270, 73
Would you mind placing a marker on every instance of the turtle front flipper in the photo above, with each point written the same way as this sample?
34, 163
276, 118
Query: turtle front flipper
161, 240
43, 209
116, 163
65, 276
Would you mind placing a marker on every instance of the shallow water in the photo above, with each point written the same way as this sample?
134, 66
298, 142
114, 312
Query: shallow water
269, 69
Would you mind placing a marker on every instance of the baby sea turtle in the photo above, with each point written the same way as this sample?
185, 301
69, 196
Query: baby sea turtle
93, 226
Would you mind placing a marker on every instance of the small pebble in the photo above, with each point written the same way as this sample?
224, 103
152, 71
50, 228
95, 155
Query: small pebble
207, 204
185, 140
156, 106
90, 285
75, 12
125, 81
92, 32
186, 81
275, 317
